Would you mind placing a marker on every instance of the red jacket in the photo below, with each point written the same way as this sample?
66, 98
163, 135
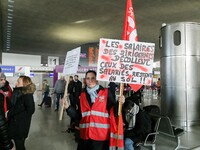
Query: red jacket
95, 122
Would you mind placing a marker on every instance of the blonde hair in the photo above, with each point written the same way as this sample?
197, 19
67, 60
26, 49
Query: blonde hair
26, 80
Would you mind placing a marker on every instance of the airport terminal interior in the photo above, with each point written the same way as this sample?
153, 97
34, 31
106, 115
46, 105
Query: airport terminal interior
36, 38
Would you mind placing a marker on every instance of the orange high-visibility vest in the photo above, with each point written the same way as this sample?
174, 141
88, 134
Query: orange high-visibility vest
116, 140
95, 122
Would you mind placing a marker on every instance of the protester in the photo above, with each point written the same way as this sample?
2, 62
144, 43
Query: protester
5, 141
96, 103
20, 114
59, 89
5, 87
45, 90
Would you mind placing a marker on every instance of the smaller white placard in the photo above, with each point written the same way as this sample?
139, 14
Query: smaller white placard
72, 61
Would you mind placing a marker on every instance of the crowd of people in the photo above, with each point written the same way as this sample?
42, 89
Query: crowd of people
93, 111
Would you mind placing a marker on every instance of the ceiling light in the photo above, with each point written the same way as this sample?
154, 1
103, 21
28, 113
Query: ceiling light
10, 17
11, 1
11, 6
9, 20
9, 14
81, 21
10, 10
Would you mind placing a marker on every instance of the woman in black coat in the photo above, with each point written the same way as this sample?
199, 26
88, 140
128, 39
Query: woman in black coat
21, 111
5, 141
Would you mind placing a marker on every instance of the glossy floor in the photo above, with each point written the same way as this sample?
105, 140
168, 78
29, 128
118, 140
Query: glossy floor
46, 134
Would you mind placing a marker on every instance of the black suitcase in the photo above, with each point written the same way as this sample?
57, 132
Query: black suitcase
48, 101
153, 109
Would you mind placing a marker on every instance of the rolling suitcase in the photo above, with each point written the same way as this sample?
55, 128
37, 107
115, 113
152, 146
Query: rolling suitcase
48, 101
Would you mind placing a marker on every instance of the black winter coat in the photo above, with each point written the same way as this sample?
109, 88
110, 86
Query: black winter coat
5, 141
20, 114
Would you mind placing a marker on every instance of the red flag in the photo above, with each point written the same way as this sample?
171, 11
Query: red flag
130, 32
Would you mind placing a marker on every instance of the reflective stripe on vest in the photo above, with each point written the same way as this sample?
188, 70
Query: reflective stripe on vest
121, 137
93, 124
96, 113
114, 148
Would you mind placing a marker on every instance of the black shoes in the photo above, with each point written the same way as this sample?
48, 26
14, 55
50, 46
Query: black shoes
70, 130
40, 105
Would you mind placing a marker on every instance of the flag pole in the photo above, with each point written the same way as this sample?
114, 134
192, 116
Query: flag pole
125, 36
65, 96
119, 112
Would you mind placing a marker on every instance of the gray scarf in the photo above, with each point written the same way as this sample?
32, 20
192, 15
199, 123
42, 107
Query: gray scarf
93, 93
131, 116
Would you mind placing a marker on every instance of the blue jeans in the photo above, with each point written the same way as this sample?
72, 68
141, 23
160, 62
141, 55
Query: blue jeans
128, 144
58, 96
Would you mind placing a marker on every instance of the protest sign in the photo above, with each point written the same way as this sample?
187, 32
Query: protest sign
71, 61
125, 62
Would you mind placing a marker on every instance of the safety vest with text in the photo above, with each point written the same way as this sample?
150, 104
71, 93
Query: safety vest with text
95, 122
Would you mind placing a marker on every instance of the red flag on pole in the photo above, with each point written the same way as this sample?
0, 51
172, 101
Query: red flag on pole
130, 32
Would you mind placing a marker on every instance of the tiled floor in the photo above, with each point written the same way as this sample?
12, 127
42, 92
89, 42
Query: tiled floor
45, 134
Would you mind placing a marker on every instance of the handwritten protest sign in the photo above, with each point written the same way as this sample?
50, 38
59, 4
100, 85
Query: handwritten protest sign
125, 62
71, 61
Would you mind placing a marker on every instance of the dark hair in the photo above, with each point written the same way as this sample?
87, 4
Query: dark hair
71, 77
76, 75
91, 71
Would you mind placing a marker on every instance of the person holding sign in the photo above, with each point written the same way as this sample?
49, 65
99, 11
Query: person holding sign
96, 110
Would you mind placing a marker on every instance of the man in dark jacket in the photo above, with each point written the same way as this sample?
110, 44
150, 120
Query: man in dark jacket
77, 88
5, 141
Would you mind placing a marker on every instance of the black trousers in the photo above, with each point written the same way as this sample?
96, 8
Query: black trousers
19, 144
92, 145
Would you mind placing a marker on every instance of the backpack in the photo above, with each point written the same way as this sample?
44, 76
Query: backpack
152, 109
147, 121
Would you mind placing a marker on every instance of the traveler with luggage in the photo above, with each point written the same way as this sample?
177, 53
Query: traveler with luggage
45, 90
